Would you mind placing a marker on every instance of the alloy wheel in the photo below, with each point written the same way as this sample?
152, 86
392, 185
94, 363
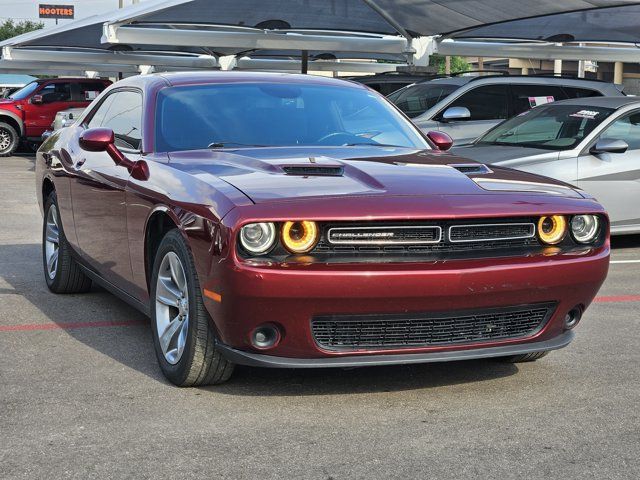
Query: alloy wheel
52, 242
172, 308
5, 139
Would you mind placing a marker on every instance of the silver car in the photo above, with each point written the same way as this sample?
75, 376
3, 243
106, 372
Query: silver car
465, 107
593, 143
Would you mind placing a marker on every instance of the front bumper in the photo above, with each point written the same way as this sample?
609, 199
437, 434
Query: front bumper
259, 360
290, 296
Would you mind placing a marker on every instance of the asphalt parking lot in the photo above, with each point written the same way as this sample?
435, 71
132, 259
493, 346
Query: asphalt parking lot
81, 395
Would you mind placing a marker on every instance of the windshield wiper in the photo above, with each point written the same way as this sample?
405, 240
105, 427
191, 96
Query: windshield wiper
372, 145
228, 144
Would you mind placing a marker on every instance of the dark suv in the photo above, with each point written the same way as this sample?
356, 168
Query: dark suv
27, 113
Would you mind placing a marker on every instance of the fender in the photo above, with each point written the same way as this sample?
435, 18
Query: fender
16, 118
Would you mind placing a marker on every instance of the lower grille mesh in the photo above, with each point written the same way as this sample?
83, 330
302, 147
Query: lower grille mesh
424, 329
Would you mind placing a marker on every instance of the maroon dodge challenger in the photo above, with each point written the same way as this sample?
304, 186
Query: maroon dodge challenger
281, 220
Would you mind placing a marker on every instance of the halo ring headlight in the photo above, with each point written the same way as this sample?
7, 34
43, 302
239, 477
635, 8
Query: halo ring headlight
299, 236
258, 238
585, 228
552, 229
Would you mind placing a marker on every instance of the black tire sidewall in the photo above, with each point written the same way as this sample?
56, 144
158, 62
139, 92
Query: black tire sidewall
52, 200
173, 242
15, 139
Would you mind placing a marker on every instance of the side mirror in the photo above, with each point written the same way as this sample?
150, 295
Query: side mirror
441, 140
609, 145
456, 113
104, 140
37, 100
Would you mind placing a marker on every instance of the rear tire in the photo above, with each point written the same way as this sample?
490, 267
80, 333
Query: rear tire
525, 357
183, 336
9, 140
61, 271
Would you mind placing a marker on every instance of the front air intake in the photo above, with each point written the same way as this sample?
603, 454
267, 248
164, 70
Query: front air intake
472, 168
314, 170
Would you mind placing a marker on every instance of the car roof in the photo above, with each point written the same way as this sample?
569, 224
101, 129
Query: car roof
610, 102
523, 79
198, 78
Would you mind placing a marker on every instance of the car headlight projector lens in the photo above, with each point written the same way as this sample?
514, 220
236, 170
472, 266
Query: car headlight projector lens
584, 228
299, 237
258, 238
552, 229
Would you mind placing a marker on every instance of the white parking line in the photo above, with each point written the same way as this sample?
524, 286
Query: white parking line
625, 261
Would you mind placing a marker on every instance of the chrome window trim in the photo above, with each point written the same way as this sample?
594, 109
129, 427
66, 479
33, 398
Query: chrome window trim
519, 237
385, 242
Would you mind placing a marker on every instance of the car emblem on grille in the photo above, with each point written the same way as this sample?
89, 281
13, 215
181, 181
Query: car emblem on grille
385, 235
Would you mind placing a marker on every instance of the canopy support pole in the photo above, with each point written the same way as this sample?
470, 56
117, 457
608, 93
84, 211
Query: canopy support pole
305, 62
409, 51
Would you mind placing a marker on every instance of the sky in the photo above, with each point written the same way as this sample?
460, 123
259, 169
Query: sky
28, 9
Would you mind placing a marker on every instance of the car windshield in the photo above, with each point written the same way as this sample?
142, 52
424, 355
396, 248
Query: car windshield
551, 127
277, 114
416, 99
25, 91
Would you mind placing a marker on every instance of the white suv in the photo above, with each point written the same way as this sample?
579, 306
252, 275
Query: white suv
465, 107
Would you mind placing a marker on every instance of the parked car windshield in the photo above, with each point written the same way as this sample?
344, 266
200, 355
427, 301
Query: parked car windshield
263, 114
416, 99
25, 91
550, 127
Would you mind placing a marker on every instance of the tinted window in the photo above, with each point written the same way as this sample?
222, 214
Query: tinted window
389, 87
485, 103
574, 92
417, 99
122, 113
56, 92
552, 127
525, 97
262, 114
626, 128
90, 90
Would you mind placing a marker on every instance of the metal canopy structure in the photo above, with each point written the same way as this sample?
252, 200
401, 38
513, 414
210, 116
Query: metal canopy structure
191, 34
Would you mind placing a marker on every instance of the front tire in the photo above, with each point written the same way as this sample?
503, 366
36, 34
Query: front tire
9, 140
184, 340
61, 271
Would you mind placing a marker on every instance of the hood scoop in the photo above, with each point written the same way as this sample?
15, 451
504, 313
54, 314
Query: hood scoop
314, 170
471, 168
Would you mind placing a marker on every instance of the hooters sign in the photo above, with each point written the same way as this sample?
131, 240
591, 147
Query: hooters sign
56, 11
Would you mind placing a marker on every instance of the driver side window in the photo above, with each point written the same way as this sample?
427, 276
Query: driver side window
626, 128
121, 112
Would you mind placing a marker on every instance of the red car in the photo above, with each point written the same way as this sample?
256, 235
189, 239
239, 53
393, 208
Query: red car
29, 112
296, 221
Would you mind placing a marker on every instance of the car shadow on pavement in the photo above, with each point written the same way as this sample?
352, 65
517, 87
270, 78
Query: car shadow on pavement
129, 342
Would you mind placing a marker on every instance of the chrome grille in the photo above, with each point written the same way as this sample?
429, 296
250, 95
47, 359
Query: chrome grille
427, 329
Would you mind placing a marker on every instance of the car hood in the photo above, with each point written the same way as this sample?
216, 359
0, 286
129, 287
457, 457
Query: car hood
505, 155
285, 173
7, 101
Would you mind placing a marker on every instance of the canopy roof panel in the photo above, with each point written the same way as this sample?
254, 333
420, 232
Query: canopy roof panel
419, 17
613, 24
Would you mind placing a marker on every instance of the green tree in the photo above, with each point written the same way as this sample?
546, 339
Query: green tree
9, 28
458, 64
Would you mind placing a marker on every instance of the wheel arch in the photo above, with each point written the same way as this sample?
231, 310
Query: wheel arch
161, 220
13, 120
47, 188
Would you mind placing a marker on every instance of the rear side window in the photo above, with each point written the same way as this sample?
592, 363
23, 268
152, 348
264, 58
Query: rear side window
574, 92
488, 102
90, 90
122, 113
417, 99
525, 97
